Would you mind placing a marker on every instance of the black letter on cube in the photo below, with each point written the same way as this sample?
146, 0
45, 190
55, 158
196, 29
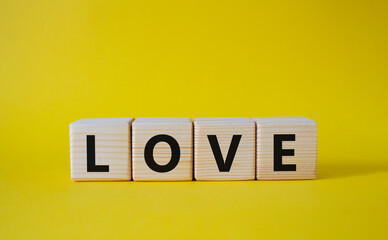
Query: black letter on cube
91, 156
149, 153
224, 166
279, 152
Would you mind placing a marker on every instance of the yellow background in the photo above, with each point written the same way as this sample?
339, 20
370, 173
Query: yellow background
61, 61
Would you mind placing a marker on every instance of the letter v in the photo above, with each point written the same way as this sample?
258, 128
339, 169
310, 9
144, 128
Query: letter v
224, 166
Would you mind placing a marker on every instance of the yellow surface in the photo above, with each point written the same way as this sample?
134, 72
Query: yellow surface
61, 61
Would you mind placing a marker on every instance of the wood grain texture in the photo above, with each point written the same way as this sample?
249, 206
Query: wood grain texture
112, 147
181, 129
205, 166
305, 147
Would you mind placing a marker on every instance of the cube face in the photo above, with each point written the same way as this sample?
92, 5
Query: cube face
286, 148
162, 149
100, 149
220, 138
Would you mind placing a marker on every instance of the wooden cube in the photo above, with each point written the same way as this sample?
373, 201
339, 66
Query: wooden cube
224, 149
286, 148
162, 149
100, 149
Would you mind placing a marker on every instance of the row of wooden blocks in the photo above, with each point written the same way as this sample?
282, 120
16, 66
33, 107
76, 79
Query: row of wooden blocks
178, 149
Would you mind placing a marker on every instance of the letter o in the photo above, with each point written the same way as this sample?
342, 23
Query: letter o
149, 153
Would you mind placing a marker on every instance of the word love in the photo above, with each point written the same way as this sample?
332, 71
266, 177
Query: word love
178, 149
